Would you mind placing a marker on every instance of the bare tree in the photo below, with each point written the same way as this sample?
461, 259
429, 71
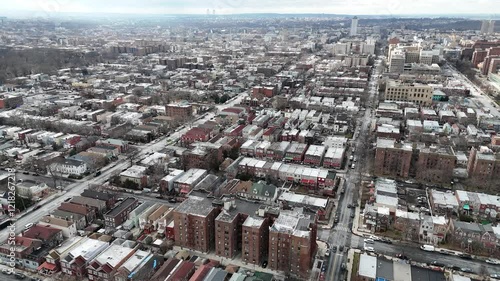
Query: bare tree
157, 171
54, 173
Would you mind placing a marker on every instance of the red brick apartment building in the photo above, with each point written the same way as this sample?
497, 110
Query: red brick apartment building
292, 244
436, 164
483, 165
179, 111
237, 229
194, 221
392, 159
119, 214
10, 101
195, 134
267, 91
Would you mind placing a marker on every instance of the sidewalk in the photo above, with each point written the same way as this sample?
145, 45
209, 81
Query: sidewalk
350, 259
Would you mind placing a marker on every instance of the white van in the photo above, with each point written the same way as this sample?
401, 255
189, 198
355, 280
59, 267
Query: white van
353, 166
428, 248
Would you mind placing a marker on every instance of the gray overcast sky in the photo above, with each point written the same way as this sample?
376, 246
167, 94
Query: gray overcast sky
369, 7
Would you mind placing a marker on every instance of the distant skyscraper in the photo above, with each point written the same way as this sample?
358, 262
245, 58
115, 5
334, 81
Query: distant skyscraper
354, 26
208, 12
491, 28
487, 27
213, 12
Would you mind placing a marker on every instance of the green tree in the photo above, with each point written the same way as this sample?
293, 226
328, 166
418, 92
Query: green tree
130, 184
23, 203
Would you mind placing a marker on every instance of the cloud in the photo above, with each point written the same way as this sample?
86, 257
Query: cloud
374, 7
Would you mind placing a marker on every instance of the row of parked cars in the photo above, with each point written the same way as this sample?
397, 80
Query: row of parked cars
19, 275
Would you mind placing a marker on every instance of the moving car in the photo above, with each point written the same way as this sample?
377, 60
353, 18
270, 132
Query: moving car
28, 226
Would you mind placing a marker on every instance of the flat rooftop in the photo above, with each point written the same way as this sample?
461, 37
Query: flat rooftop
113, 255
123, 205
195, 205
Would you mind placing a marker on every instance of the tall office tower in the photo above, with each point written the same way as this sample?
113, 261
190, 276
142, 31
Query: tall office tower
354, 26
487, 27
491, 28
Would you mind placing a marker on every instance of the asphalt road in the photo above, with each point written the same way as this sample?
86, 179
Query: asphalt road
341, 234
76, 188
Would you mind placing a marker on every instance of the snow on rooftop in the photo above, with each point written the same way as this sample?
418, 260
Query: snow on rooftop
113, 255
87, 249
136, 259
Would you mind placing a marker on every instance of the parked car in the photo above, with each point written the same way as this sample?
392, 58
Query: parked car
369, 249
493, 261
436, 263
264, 264
446, 252
401, 256
341, 248
495, 275
466, 270
369, 241
19, 275
385, 240
465, 256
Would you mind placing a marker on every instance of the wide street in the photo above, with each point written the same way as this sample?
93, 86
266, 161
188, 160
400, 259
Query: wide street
113, 168
341, 234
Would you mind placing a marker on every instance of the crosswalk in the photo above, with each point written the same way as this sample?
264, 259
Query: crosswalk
343, 228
